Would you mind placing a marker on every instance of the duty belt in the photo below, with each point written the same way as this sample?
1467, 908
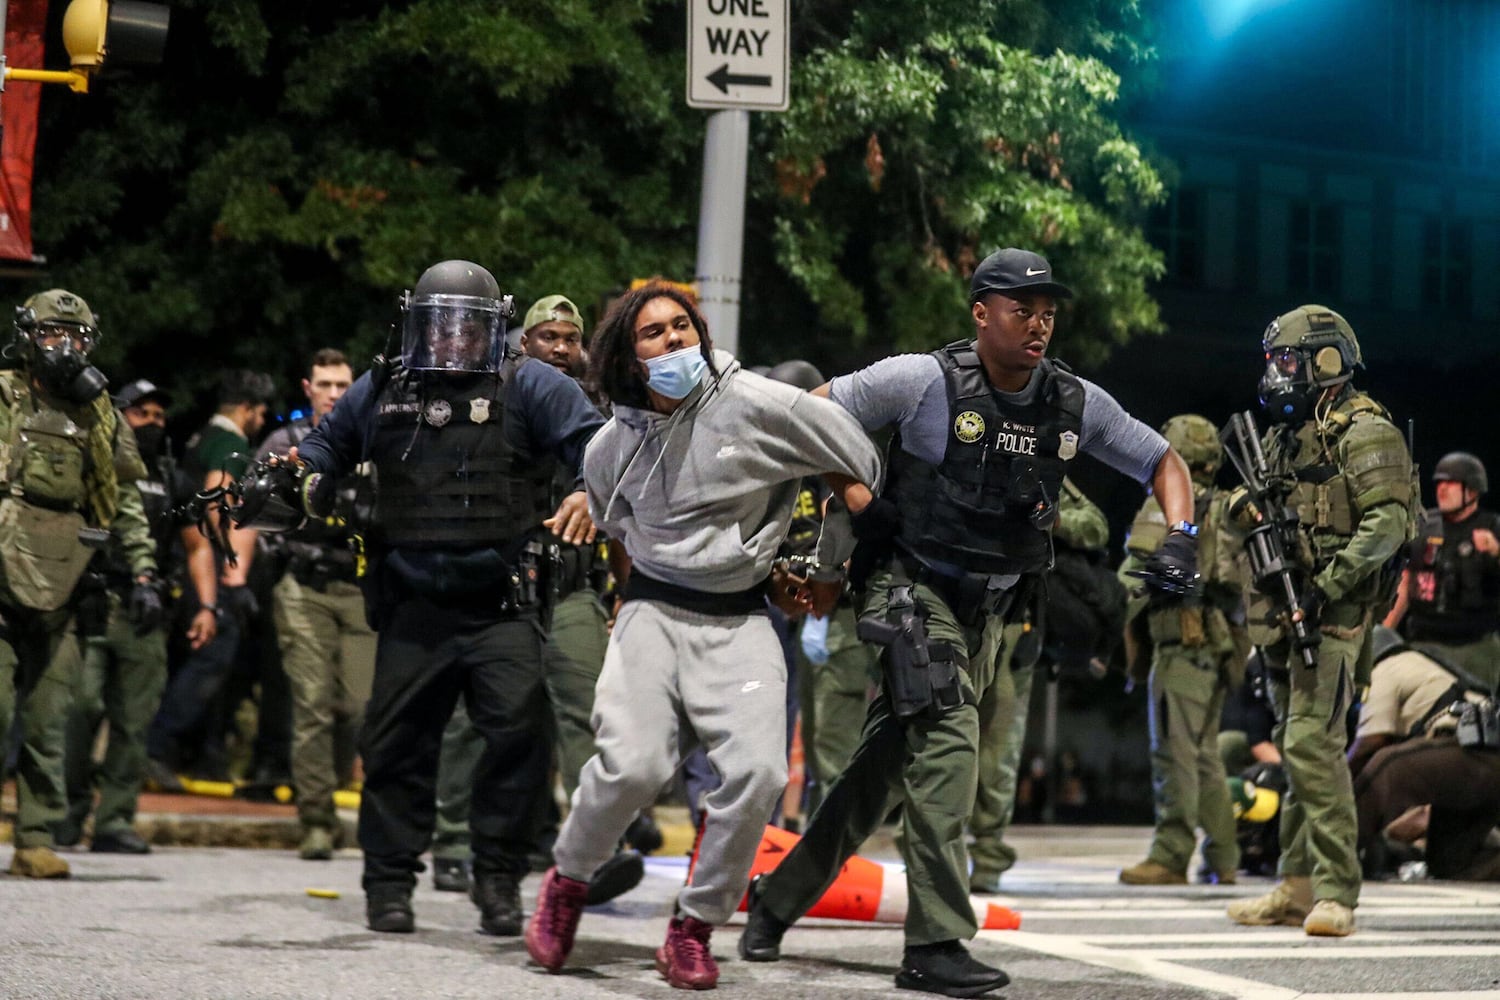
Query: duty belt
970, 596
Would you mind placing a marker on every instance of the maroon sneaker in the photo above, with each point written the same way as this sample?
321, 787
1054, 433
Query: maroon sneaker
685, 961
559, 904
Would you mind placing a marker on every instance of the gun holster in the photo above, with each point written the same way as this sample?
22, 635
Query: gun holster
921, 676
91, 604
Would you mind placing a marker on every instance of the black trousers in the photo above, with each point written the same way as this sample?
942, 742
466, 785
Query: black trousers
1462, 786
427, 657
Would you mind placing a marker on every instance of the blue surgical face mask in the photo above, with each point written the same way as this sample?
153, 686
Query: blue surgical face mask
677, 374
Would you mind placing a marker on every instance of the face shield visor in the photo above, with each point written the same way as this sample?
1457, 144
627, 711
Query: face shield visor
1285, 389
453, 333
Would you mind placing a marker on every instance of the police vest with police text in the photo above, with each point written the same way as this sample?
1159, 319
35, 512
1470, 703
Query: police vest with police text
988, 505
447, 474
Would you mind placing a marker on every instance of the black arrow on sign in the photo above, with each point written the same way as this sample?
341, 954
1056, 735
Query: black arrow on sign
723, 79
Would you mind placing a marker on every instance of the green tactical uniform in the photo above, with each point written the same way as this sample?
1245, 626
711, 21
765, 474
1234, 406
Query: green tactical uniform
1003, 710
1351, 526
1195, 662
66, 467
123, 676
1352, 490
916, 772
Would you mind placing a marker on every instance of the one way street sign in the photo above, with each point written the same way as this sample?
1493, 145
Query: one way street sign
737, 54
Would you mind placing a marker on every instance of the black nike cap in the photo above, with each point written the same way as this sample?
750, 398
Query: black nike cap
1012, 270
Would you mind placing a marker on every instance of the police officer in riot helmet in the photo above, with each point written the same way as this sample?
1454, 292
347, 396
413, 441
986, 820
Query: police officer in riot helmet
464, 442
1449, 601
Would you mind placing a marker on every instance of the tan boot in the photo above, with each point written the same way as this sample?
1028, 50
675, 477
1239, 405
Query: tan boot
38, 862
1329, 918
1288, 904
1152, 873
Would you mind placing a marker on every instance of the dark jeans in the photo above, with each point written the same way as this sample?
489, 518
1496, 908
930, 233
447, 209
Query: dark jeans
428, 656
192, 693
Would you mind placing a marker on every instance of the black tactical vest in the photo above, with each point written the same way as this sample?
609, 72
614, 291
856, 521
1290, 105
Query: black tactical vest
1454, 589
988, 507
448, 477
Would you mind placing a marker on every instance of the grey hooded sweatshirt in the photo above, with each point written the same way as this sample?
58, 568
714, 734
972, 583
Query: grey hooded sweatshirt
703, 497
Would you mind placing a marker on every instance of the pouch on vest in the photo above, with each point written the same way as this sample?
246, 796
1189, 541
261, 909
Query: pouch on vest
41, 554
50, 468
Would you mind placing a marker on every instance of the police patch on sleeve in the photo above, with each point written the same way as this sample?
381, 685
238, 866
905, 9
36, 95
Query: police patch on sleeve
969, 426
1067, 445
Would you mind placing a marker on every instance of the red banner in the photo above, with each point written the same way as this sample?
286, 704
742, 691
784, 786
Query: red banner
25, 26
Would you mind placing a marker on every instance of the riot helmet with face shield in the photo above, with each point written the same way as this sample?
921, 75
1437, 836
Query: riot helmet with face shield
455, 320
57, 332
1308, 350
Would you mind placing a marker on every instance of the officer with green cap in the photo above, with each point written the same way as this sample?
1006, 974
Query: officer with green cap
67, 472
1349, 482
1449, 601
1194, 663
1081, 528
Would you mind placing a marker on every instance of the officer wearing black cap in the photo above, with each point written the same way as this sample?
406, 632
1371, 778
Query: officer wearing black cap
464, 442
985, 430
1449, 601
125, 667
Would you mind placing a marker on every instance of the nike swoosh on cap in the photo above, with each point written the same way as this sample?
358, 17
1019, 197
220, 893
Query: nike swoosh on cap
1031, 274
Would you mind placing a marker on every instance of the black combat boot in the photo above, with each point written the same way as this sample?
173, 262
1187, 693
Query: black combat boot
615, 877
450, 874
389, 911
761, 940
948, 969
498, 896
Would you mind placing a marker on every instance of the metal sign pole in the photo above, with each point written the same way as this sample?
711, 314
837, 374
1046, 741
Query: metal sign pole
721, 225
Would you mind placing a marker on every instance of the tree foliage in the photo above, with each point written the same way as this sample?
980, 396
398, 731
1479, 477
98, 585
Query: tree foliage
291, 168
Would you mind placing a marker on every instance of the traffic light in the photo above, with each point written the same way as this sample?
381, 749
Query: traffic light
126, 32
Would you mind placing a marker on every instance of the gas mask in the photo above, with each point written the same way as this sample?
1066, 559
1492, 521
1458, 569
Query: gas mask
60, 362
1286, 389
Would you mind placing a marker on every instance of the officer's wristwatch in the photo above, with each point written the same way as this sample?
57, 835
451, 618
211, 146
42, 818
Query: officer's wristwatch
1186, 527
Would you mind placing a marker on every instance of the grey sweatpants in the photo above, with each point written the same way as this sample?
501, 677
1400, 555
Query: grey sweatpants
672, 680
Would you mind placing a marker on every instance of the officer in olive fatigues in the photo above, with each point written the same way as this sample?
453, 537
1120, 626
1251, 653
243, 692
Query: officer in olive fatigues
465, 444
125, 668
985, 430
1351, 486
1002, 710
68, 465
1194, 664
327, 647
1450, 591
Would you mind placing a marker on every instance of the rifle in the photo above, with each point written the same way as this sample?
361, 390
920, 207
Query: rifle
1275, 532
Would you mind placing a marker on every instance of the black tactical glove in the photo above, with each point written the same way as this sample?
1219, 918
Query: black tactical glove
144, 609
1311, 605
879, 521
1172, 570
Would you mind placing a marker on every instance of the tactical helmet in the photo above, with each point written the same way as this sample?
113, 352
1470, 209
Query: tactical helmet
1462, 467
1196, 439
455, 320
1307, 350
57, 331
802, 374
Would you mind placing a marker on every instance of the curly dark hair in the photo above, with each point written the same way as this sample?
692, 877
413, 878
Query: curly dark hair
613, 365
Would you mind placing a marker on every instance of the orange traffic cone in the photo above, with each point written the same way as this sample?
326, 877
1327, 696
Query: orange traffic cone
863, 892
